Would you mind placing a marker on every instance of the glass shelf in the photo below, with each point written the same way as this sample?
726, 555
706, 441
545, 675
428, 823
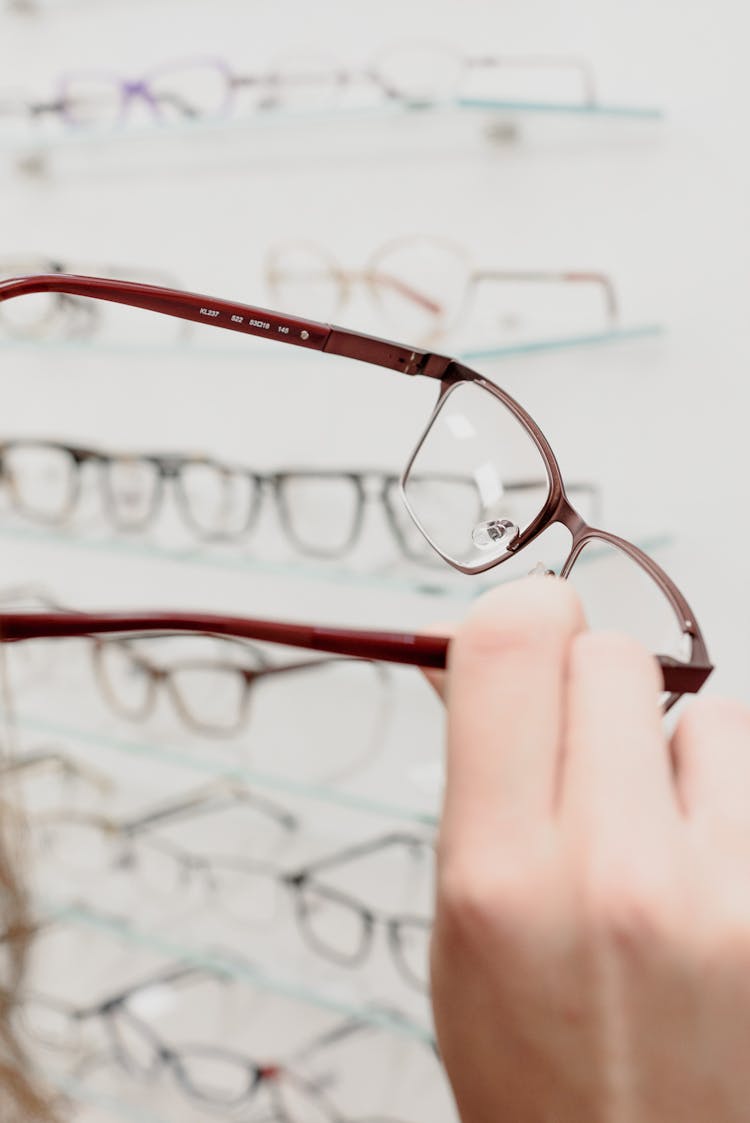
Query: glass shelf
579, 109
250, 352
563, 342
197, 761
25, 136
132, 936
456, 586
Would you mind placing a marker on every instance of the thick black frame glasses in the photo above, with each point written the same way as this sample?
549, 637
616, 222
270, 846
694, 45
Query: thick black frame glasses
221, 502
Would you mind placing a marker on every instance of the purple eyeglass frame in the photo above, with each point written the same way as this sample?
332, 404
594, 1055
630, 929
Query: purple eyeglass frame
139, 89
393, 647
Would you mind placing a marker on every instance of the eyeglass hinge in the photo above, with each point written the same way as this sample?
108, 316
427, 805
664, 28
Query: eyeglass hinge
425, 363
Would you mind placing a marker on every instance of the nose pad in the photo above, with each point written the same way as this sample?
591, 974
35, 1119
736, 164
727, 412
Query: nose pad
487, 534
541, 570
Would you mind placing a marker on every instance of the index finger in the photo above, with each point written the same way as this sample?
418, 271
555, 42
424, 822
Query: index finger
507, 668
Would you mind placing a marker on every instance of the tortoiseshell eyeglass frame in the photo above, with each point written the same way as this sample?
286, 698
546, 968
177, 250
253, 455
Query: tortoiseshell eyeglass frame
680, 677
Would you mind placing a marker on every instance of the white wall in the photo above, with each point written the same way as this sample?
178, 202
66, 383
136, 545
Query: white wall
662, 424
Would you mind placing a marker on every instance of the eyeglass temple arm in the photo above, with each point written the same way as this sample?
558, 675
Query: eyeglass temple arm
552, 277
349, 1027
46, 758
243, 318
361, 850
287, 668
581, 66
406, 648
168, 977
222, 795
390, 647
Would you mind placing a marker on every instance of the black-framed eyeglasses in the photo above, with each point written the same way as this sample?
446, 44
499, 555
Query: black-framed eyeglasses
212, 1075
342, 927
91, 845
320, 510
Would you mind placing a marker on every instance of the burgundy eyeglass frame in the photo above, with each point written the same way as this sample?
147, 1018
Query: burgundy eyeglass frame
392, 647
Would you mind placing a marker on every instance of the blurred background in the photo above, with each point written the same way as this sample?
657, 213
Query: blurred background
569, 186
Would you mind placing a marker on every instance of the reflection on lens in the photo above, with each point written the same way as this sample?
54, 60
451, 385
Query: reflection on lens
41, 478
334, 926
420, 285
219, 502
619, 595
475, 437
131, 486
321, 510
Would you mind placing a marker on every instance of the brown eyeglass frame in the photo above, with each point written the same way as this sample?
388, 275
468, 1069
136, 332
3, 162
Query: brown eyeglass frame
392, 647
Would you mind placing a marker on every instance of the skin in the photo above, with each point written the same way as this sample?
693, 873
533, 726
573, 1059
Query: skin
591, 952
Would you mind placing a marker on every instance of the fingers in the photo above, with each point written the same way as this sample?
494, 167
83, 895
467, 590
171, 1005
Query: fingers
711, 751
617, 773
507, 669
437, 681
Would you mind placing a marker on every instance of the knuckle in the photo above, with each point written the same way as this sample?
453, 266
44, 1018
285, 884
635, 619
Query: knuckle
475, 903
625, 908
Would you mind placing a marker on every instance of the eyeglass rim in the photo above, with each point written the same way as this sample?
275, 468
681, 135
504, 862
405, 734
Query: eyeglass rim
386, 646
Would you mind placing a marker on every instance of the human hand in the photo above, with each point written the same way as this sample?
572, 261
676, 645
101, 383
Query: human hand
591, 950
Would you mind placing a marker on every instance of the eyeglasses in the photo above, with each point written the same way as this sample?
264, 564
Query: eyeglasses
90, 844
410, 73
222, 1078
475, 429
335, 924
217, 687
321, 511
210, 1074
423, 287
60, 314
318, 720
45, 768
341, 928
